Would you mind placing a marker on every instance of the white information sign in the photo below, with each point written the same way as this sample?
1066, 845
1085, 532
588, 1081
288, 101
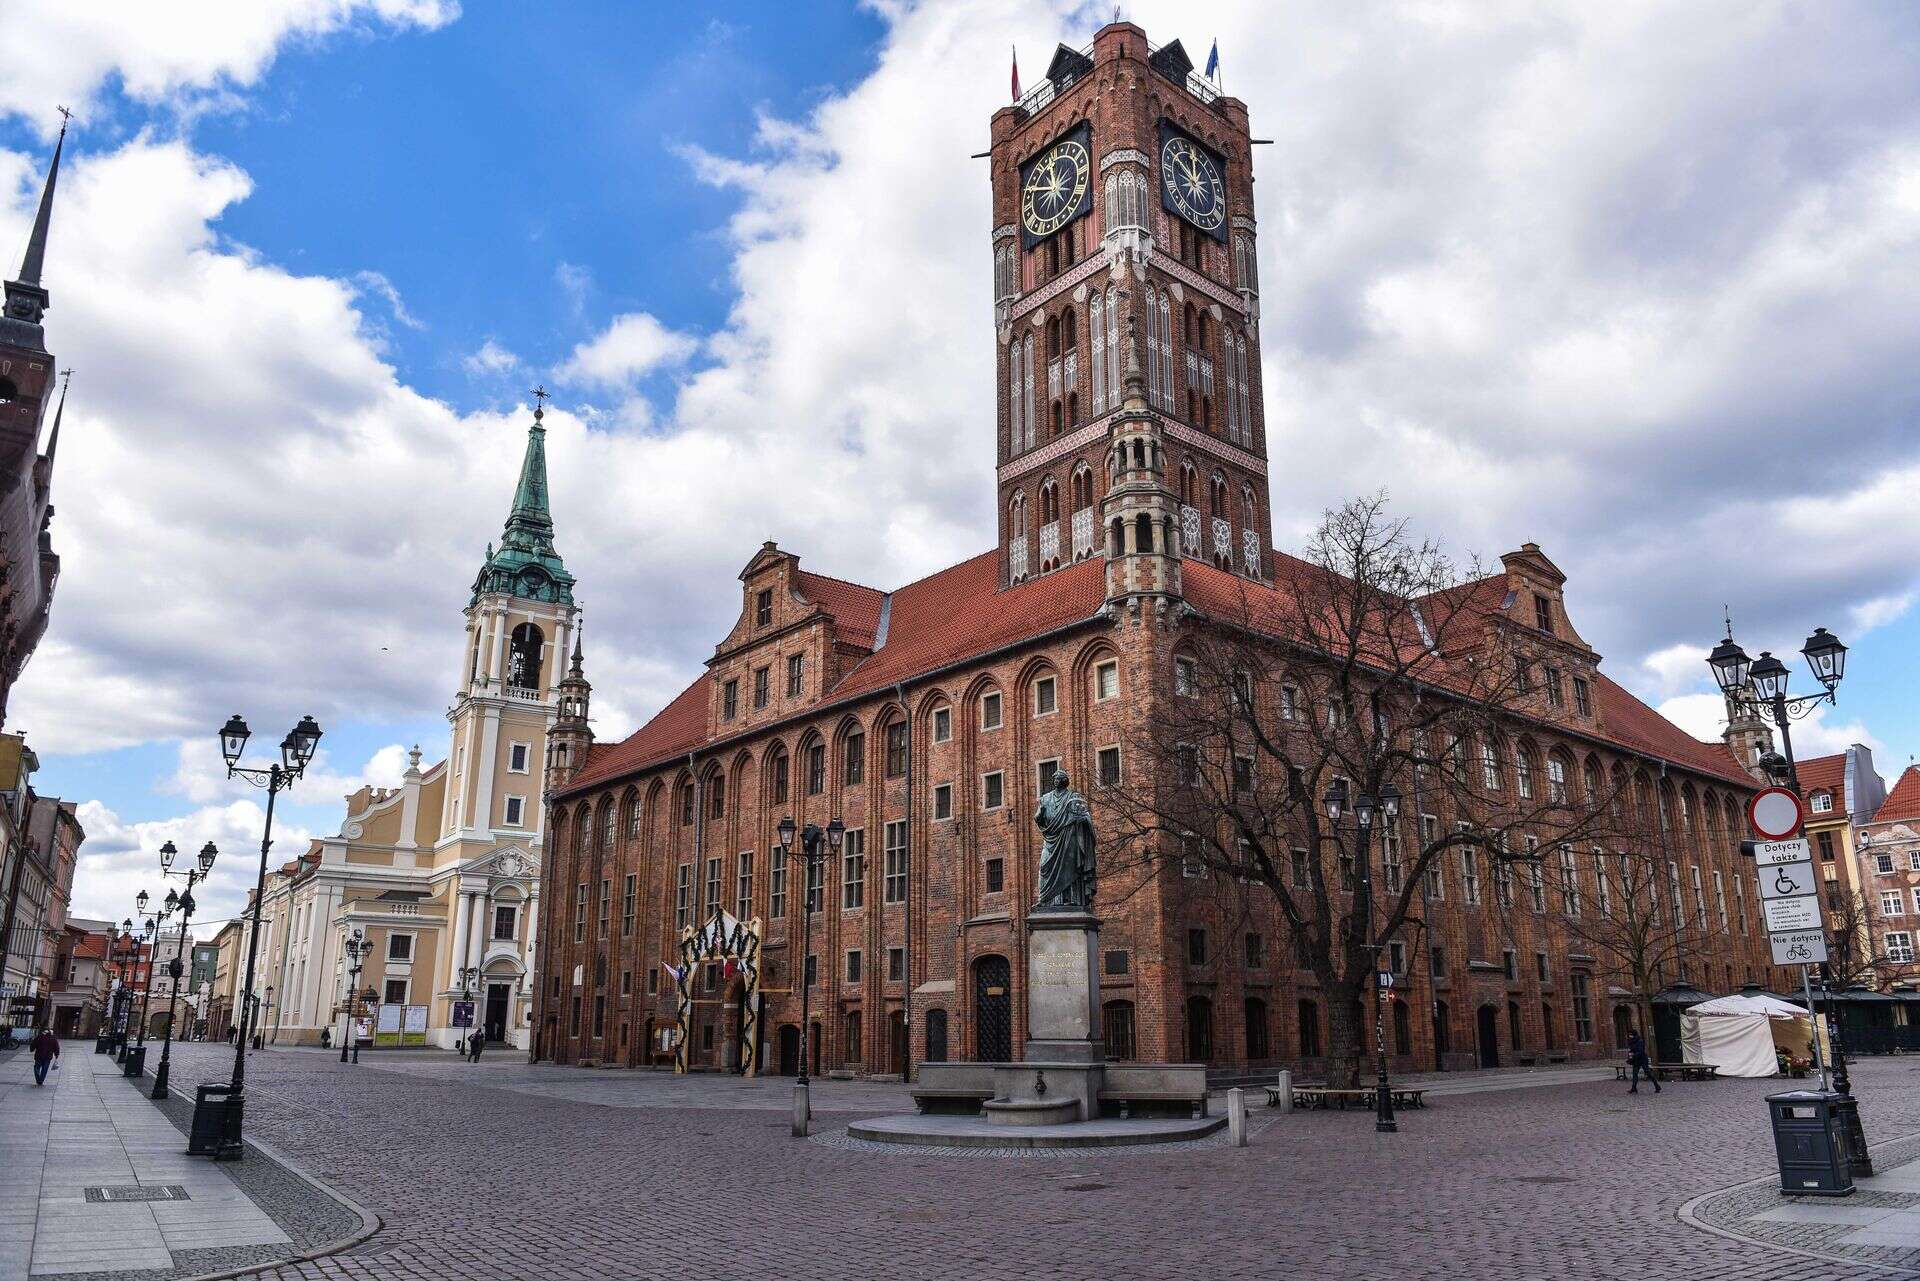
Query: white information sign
1787, 880
1772, 853
1788, 915
1801, 947
388, 1018
416, 1019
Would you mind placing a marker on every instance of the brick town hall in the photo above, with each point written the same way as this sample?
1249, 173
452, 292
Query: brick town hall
1132, 487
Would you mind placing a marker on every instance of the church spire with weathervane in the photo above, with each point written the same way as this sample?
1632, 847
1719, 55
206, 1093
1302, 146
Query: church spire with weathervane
526, 563
27, 299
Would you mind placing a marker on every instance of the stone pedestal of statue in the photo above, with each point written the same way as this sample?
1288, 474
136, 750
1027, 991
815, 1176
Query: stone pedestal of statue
1061, 1073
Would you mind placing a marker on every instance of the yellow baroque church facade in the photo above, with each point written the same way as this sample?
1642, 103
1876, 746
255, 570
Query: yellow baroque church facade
441, 875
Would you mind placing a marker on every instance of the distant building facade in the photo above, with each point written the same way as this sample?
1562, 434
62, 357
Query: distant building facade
442, 874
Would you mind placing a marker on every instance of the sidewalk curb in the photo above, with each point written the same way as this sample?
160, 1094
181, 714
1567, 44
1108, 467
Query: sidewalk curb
1687, 1214
370, 1222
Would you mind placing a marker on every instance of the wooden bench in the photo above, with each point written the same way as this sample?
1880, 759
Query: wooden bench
1688, 1071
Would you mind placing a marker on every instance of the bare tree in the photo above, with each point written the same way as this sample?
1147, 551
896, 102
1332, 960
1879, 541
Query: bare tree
1630, 921
1373, 666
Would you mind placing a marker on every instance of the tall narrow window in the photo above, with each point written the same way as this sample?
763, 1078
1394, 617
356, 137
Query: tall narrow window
896, 862
853, 858
743, 887
1097, 336
777, 883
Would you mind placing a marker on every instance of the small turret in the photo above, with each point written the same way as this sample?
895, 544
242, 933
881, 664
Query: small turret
1139, 513
572, 733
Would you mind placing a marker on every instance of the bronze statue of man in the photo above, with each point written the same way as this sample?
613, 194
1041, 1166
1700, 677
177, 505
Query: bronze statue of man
1066, 852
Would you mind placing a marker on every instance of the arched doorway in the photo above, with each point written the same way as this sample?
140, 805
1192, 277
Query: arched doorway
993, 1009
789, 1049
1199, 1030
1489, 1031
1622, 1026
1513, 1025
896, 1041
936, 1036
731, 946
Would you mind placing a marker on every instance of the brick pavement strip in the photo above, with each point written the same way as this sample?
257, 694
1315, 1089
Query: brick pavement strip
505, 1171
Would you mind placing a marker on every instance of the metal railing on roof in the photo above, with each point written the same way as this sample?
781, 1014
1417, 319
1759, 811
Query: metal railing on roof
1042, 95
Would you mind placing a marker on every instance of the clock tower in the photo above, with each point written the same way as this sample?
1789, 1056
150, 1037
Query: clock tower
521, 624
1124, 235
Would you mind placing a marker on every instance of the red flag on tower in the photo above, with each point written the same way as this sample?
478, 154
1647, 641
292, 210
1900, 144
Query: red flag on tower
1016, 73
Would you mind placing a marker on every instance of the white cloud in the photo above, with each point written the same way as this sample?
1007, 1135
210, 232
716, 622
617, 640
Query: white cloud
179, 54
378, 285
1534, 295
1677, 667
1705, 715
490, 359
633, 346
119, 859
200, 774
1880, 611
1702, 715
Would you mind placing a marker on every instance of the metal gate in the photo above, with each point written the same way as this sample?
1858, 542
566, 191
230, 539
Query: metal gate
993, 1009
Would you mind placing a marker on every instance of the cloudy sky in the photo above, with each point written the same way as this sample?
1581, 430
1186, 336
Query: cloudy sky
1635, 281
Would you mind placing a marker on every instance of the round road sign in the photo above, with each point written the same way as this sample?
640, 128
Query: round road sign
1774, 813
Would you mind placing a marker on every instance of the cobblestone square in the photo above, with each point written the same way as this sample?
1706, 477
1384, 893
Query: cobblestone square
503, 1169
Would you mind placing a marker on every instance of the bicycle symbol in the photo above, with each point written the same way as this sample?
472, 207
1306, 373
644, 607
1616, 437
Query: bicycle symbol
1799, 952
1783, 883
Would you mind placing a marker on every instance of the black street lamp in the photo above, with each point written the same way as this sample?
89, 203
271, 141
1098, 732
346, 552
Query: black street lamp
1365, 806
123, 953
296, 753
1762, 684
135, 1057
193, 876
816, 845
357, 948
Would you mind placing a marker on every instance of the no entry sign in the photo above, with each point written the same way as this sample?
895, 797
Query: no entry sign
1774, 813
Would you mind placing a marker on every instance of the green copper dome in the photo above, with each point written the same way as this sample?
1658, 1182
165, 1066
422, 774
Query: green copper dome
526, 564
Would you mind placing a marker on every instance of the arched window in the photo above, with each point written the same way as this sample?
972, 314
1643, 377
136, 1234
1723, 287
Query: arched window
1116, 359
1523, 772
1049, 502
525, 654
632, 807
609, 826
1143, 533
1069, 331
1017, 537
1189, 485
1028, 392
1053, 337
1189, 330
1199, 1030
1557, 779
1016, 401
1053, 427
1097, 334
1082, 487
1220, 508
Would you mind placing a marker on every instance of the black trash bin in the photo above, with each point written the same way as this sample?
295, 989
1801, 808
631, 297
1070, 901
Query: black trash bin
1810, 1137
136, 1064
103, 1043
216, 1123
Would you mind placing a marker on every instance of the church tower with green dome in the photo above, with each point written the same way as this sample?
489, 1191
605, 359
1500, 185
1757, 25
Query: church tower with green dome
526, 565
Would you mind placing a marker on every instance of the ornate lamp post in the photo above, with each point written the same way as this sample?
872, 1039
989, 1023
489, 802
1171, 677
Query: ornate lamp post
357, 948
1364, 807
1762, 684
816, 845
134, 1056
124, 949
193, 876
471, 985
296, 753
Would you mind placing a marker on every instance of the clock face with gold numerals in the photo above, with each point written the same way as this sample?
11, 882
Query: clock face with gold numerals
1191, 183
1055, 190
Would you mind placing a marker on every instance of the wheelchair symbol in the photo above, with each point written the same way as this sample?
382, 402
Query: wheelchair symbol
1783, 883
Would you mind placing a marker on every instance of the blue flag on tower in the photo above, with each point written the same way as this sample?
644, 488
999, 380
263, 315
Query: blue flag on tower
1213, 60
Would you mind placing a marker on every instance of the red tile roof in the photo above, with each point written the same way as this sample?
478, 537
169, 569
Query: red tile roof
1825, 774
1904, 800
855, 609
959, 614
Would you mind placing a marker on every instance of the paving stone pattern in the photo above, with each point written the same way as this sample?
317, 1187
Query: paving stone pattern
1879, 1225
505, 1171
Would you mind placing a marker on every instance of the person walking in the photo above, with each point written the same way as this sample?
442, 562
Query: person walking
1638, 1062
473, 1046
46, 1051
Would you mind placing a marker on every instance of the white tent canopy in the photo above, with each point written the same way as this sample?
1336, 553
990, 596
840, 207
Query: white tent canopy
1739, 1034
